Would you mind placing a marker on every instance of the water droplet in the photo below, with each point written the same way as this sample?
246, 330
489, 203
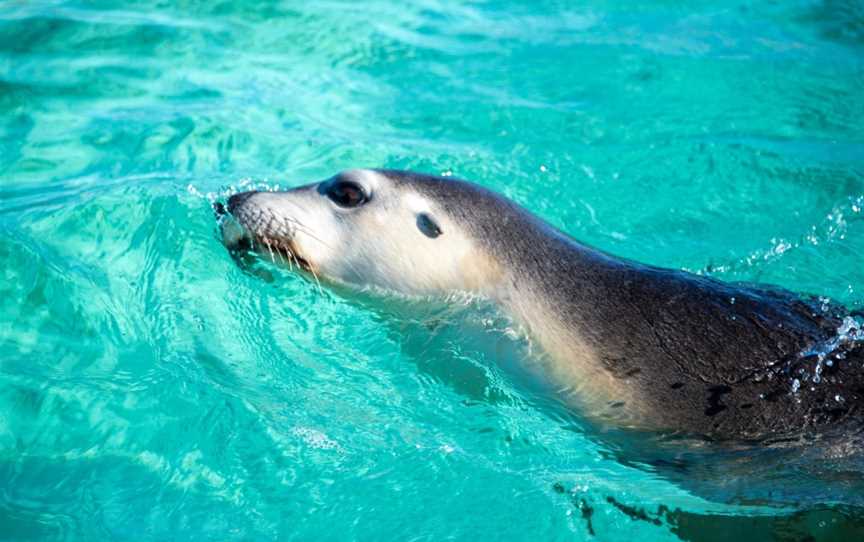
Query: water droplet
796, 385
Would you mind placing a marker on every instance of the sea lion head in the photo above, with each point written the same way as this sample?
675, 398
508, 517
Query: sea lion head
370, 229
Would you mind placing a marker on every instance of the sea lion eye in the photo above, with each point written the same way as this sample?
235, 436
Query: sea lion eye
346, 194
428, 226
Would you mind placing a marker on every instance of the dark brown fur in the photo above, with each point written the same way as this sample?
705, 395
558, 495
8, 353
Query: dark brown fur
718, 359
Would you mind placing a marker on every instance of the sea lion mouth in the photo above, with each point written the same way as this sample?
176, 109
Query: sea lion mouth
240, 239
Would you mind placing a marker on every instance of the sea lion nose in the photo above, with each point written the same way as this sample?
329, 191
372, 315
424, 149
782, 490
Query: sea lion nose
237, 200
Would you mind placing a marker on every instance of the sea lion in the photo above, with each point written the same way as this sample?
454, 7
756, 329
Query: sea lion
640, 346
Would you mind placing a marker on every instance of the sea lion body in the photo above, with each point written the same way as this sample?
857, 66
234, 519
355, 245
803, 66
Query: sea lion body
637, 345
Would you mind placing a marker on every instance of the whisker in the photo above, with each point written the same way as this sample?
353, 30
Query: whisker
290, 254
284, 249
305, 229
269, 248
317, 282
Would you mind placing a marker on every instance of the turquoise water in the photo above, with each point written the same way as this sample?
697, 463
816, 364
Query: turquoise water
151, 389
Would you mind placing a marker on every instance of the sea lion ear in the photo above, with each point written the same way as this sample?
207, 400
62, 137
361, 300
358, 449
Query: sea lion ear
428, 226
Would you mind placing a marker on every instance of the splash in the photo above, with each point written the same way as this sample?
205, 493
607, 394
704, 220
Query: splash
242, 185
850, 332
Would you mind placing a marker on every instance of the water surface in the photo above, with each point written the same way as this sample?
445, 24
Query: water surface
150, 389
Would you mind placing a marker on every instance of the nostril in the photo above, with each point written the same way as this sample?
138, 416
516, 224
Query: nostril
237, 200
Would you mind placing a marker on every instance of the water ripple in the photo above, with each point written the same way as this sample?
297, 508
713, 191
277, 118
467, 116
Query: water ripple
149, 388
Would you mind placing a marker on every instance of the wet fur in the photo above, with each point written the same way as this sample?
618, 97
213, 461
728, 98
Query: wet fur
648, 347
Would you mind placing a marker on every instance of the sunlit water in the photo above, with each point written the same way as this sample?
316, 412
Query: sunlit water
151, 389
